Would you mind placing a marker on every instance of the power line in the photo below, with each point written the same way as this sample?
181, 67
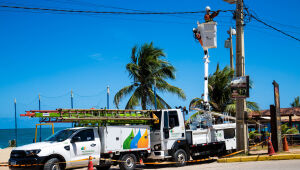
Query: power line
78, 2
276, 29
103, 12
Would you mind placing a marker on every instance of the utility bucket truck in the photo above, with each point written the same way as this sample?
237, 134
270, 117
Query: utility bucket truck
121, 137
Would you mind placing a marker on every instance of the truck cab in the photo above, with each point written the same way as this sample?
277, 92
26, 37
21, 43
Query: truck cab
168, 135
67, 146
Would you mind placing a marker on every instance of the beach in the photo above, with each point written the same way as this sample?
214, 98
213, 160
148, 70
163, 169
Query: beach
4, 156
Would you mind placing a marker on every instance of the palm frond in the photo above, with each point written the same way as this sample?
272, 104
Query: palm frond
194, 115
123, 92
196, 103
296, 102
133, 100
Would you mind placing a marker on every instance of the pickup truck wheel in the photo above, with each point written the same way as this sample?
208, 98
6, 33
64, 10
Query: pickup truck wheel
128, 162
180, 157
52, 164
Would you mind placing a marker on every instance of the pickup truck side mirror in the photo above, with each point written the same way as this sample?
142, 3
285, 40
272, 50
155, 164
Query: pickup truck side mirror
75, 139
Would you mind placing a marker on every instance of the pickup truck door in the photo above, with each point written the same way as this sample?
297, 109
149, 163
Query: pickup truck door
85, 143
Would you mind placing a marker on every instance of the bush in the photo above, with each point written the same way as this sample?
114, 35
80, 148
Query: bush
287, 130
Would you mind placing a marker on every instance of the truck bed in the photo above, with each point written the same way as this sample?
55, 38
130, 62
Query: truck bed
124, 138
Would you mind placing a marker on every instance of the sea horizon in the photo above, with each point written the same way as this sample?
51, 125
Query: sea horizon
25, 135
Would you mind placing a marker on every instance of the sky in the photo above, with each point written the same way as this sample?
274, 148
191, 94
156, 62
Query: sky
53, 53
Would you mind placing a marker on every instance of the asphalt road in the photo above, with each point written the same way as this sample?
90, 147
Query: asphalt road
259, 165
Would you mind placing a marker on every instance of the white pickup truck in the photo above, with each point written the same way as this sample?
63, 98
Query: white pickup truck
166, 139
71, 148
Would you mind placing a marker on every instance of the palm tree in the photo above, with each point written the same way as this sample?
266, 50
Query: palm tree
296, 102
146, 67
220, 93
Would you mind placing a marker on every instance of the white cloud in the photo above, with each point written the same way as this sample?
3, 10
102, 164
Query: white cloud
96, 56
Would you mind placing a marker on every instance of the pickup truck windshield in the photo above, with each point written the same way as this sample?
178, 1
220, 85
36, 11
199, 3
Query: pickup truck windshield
60, 135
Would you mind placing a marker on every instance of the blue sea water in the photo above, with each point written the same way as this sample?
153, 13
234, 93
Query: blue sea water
25, 135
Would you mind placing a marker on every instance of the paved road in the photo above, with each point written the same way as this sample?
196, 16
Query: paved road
259, 165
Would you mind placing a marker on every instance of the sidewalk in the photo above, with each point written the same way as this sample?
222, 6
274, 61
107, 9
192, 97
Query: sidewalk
4, 156
259, 154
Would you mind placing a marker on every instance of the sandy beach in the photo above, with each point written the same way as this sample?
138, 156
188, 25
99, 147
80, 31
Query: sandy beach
4, 156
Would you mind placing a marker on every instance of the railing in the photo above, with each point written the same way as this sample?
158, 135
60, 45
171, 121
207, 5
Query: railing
293, 139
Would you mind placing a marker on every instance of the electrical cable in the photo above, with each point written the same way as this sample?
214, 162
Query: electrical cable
101, 12
68, 93
95, 95
250, 15
276, 29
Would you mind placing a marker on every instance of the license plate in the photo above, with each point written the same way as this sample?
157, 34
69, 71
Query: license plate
13, 163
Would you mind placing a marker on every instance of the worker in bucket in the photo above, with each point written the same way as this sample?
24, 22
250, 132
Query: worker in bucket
197, 35
208, 17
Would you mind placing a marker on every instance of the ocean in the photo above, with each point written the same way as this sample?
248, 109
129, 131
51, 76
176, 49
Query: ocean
25, 135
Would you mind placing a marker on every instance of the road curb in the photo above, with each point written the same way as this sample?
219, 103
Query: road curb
259, 158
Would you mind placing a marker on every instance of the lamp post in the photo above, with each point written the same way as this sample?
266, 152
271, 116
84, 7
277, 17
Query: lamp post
16, 125
40, 118
108, 92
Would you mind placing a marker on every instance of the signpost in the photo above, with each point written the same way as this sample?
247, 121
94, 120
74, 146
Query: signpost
240, 87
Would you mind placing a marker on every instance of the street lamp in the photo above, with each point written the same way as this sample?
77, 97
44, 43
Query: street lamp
230, 1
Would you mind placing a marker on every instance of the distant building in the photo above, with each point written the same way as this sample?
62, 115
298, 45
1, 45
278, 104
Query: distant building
288, 115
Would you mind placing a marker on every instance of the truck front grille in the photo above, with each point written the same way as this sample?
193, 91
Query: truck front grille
17, 154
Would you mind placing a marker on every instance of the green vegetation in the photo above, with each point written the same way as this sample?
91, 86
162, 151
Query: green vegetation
287, 130
254, 134
147, 65
296, 102
220, 93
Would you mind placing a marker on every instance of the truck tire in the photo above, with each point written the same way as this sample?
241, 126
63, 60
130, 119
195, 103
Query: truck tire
180, 157
106, 167
128, 162
52, 164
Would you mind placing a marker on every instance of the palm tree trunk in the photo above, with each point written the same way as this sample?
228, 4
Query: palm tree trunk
144, 102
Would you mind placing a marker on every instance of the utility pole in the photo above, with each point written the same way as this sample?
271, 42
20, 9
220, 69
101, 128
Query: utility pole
72, 99
40, 118
108, 97
155, 102
241, 124
16, 125
72, 104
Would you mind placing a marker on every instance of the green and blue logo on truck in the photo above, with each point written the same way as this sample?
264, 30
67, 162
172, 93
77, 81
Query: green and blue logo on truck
137, 141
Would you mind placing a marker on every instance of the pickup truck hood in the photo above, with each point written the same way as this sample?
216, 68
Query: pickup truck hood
38, 145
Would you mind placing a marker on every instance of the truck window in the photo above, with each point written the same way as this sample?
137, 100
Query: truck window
229, 133
166, 120
86, 135
173, 118
60, 135
157, 125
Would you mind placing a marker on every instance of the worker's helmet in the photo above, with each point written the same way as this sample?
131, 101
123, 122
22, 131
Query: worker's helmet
207, 8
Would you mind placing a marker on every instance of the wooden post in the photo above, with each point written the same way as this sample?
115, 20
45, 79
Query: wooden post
276, 137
